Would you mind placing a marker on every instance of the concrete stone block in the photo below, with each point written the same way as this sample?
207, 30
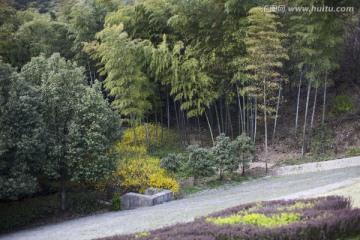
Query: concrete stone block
136, 200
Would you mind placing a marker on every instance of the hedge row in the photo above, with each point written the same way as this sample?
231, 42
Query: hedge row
20, 213
322, 218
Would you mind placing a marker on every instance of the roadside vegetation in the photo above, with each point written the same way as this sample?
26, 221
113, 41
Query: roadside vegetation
318, 218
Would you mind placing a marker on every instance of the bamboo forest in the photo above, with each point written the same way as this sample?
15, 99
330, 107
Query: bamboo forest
247, 110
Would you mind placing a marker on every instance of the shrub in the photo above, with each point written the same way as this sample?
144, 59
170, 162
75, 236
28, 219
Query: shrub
148, 135
171, 163
84, 202
258, 219
243, 147
19, 213
224, 158
116, 202
139, 173
199, 162
321, 140
320, 218
343, 104
353, 152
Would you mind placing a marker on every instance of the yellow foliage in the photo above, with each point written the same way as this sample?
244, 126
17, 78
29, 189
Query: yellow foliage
130, 151
258, 219
147, 135
143, 234
298, 205
140, 173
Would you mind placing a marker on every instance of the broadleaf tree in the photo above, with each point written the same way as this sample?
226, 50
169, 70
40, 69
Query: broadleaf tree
78, 125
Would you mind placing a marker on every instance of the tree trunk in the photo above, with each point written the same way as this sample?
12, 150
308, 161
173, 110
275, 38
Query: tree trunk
161, 124
255, 127
156, 124
277, 113
91, 78
298, 101
230, 122
133, 127
226, 120
199, 129
244, 114
147, 135
240, 111
221, 116
63, 193
217, 119
168, 110
251, 120
243, 165
265, 127
324, 103
314, 108
176, 116
305, 120
210, 129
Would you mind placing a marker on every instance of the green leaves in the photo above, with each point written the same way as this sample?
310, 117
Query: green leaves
265, 57
53, 123
22, 135
199, 163
122, 60
224, 158
244, 148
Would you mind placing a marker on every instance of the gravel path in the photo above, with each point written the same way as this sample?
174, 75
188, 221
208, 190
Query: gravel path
276, 187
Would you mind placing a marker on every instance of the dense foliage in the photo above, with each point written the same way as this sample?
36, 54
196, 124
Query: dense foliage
137, 170
70, 69
53, 123
40, 209
318, 218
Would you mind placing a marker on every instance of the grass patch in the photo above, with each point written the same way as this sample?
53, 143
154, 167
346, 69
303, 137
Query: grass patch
353, 152
188, 190
213, 182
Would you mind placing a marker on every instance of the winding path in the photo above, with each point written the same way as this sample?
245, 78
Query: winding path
102, 225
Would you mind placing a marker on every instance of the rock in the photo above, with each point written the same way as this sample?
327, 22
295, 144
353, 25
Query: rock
152, 191
136, 200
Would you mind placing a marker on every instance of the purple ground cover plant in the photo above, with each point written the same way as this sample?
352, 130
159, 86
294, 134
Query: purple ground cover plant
321, 218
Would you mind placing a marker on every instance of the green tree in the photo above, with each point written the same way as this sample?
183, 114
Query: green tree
80, 128
317, 38
172, 162
224, 159
264, 62
22, 136
243, 148
199, 163
123, 61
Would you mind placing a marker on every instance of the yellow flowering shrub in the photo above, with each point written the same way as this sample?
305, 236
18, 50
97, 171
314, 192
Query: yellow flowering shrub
130, 151
140, 173
148, 135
